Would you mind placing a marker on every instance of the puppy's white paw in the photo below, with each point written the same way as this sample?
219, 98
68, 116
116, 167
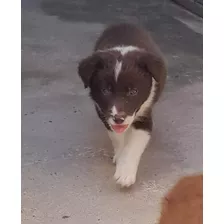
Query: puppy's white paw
125, 174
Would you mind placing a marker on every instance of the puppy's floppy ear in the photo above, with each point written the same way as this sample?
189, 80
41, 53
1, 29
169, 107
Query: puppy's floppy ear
89, 66
154, 65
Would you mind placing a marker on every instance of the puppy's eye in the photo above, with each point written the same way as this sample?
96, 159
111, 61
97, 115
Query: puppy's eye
132, 92
106, 90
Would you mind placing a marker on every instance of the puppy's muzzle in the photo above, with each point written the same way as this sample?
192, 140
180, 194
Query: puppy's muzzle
119, 118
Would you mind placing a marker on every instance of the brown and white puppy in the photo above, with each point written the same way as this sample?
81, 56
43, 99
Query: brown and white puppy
126, 74
184, 203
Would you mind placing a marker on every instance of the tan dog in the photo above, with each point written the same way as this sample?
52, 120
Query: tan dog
184, 203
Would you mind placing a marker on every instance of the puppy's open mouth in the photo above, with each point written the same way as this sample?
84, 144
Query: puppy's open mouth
119, 128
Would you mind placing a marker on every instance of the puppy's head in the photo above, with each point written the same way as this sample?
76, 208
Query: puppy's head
120, 84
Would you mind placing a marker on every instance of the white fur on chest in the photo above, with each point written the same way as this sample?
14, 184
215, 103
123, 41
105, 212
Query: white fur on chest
149, 102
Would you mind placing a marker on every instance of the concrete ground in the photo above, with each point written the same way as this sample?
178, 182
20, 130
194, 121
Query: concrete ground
66, 155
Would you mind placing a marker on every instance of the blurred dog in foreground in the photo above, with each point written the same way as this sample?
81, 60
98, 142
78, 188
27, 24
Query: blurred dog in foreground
184, 203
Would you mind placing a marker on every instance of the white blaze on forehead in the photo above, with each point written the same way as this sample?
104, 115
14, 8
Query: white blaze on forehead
123, 50
117, 69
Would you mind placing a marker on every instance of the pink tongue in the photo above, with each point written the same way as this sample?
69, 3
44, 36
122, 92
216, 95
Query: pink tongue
119, 128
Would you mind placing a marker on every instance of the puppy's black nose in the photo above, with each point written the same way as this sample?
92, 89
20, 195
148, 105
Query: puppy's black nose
118, 119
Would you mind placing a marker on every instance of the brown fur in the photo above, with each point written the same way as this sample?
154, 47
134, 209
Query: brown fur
184, 203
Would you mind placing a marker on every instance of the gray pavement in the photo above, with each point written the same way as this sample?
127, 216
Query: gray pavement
66, 155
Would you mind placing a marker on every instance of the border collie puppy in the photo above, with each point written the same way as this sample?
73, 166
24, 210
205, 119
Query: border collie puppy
126, 74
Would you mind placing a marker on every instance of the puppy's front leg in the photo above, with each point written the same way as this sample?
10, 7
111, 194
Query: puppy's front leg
128, 160
117, 142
